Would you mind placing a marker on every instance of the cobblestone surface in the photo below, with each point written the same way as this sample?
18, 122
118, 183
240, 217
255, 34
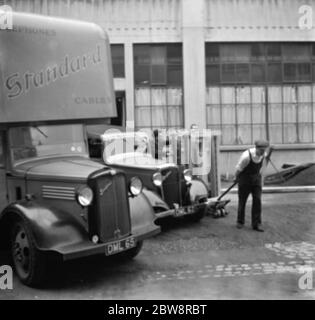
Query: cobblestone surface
303, 251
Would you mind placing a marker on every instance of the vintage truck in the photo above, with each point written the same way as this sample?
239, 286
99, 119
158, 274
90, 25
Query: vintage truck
164, 167
55, 202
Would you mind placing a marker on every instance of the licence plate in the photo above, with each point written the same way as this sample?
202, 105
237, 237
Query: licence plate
120, 245
183, 211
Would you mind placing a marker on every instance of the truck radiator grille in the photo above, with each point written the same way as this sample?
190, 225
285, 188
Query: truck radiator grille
109, 216
171, 186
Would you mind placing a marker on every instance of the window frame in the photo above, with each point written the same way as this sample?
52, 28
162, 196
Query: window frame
266, 61
165, 67
123, 73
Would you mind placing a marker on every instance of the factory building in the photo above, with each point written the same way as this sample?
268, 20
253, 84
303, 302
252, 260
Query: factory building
244, 67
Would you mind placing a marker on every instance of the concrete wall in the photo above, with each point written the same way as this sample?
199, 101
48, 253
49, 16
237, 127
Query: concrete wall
256, 20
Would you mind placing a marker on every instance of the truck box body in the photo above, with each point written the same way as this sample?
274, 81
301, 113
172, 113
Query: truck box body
54, 70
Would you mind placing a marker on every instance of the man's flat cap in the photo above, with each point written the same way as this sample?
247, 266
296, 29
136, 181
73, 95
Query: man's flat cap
261, 144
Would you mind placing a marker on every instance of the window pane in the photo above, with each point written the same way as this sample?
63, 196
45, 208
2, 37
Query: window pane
228, 73
242, 52
289, 112
304, 71
235, 52
142, 74
175, 75
296, 51
305, 132
228, 113
141, 54
273, 51
174, 54
290, 72
227, 52
229, 135
212, 53
159, 116
259, 132
244, 113
213, 114
275, 131
158, 74
242, 72
118, 59
258, 72
143, 116
258, 52
258, 113
290, 133
244, 134
274, 72
213, 74
174, 116
275, 112
158, 55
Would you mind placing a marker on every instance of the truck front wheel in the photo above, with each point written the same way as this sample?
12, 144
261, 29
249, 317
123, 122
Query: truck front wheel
28, 262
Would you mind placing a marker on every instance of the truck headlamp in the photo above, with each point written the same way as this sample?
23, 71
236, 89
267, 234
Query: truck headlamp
85, 196
135, 186
157, 179
188, 175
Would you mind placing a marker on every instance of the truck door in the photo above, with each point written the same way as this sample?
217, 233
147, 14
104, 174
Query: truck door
3, 187
120, 120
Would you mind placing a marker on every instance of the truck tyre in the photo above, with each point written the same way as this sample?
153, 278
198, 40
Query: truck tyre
28, 262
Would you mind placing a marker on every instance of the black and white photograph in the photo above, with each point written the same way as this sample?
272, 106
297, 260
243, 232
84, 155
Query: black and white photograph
159, 151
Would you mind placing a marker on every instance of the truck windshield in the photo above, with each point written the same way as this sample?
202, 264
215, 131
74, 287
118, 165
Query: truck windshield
38, 141
126, 143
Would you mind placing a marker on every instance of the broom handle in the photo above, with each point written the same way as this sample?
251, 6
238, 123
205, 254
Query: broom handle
227, 190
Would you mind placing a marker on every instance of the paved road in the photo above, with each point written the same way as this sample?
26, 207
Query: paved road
207, 260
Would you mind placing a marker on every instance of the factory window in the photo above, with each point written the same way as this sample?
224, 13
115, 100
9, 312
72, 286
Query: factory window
274, 72
158, 64
118, 60
261, 90
258, 72
240, 63
273, 52
158, 72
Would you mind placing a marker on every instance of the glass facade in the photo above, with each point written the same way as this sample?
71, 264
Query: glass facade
158, 80
261, 90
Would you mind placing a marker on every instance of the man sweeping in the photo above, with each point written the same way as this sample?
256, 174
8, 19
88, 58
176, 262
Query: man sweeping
249, 179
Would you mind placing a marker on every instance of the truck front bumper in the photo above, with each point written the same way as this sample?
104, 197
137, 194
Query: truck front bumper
88, 248
182, 211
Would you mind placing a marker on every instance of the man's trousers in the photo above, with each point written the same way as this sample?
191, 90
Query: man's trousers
244, 190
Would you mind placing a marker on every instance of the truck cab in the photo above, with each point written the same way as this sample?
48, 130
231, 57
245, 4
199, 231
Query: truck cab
170, 186
54, 200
